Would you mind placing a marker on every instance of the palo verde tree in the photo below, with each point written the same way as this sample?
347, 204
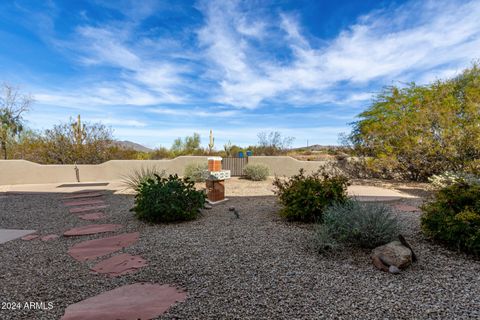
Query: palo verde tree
189, 145
75, 142
417, 131
13, 104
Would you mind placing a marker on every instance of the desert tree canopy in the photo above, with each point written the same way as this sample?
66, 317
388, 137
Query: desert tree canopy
416, 131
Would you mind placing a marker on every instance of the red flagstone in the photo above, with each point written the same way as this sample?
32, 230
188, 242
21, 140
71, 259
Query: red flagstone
92, 216
92, 229
49, 237
83, 202
134, 301
83, 195
30, 237
406, 208
91, 249
119, 265
85, 209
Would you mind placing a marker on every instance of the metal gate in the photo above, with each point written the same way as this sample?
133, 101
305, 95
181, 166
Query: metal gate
235, 165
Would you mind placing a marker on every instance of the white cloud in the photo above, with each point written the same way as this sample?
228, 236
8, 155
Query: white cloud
195, 112
410, 40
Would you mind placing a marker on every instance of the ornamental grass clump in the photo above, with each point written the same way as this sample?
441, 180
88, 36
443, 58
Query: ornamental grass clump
453, 217
305, 197
357, 224
137, 176
168, 200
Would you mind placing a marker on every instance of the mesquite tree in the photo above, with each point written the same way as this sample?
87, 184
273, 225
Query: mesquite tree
13, 104
417, 131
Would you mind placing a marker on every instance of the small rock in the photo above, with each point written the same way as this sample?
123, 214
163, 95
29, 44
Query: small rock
393, 254
393, 269
207, 206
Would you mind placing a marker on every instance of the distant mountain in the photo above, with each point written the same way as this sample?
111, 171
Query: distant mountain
132, 145
318, 147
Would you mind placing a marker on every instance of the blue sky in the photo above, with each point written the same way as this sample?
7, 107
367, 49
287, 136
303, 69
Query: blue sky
157, 70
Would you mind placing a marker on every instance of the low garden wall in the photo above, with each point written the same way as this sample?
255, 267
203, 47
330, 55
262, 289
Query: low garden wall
26, 172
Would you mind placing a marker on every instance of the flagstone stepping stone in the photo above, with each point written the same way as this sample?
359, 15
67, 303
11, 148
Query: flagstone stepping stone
85, 209
49, 237
134, 301
92, 216
91, 249
407, 208
83, 195
91, 229
83, 202
119, 265
30, 237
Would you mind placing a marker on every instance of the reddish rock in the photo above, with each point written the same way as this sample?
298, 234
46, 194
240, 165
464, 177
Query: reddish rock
92, 249
119, 265
83, 195
85, 209
84, 202
49, 237
30, 237
406, 208
92, 216
91, 229
134, 301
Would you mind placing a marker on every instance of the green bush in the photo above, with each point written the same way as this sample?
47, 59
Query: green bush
196, 172
305, 197
355, 223
167, 200
453, 217
135, 179
256, 172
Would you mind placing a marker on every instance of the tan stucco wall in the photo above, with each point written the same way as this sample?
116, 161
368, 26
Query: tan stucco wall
287, 166
26, 172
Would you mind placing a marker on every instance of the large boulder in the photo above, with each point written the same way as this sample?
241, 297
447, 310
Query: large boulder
392, 254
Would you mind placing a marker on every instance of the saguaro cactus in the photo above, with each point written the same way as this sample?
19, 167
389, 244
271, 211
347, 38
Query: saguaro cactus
79, 131
211, 144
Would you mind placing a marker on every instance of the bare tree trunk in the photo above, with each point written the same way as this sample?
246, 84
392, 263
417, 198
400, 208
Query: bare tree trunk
4, 149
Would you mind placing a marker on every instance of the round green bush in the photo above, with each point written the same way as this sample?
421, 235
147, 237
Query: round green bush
305, 197
453, 217
196, 172
168, 200
359, 224
256, 172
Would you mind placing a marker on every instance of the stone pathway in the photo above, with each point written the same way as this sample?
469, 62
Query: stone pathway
92, 229
135, 301
91, 249
119, 265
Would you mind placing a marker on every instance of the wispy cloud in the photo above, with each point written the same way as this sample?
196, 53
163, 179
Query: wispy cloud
233, 64
388, 44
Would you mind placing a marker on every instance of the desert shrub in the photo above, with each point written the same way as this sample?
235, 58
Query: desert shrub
417, 131
453, 217
449, 178
256, 172
196, 172
355, 223
323, 241
305, 197
168, 199
138, 176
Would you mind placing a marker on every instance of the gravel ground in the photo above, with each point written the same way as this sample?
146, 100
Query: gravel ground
255, 267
